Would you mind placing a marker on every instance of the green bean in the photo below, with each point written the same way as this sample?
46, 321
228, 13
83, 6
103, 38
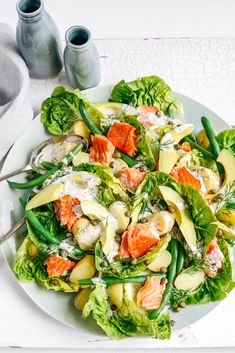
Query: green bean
47, 165
211, 136
114, 280
87, 119
180, 260
205, 153
95, 131
40, 180
43, 232
170, 277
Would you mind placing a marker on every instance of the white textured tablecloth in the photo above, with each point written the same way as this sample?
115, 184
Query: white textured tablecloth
201, 68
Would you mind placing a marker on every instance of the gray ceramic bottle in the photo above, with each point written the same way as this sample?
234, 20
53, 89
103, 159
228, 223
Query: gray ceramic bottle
81, 58
38, 39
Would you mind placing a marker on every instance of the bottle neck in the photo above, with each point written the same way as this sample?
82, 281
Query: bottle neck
78, 38
30, 10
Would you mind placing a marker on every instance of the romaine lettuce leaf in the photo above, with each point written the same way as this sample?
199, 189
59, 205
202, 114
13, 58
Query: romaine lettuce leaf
160, 327
32, 269
144, 151
202, 216
61, 110
129, 322
195, 158
226, 139
111, 187
213, 289
149, 90
115, 326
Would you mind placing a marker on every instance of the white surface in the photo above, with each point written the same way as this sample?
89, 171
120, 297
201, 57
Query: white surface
203, 69
138, 18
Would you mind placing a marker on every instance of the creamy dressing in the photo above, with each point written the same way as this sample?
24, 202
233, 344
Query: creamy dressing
67, 245
97, 280
87, 189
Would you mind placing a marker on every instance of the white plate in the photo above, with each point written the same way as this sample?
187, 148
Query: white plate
57, 304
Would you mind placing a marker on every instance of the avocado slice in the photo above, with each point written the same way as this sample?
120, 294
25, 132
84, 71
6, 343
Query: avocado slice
94, 210
48, 194
115, 110
228, 161
167, 155
181, 214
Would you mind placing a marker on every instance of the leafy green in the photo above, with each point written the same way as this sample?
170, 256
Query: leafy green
61, 110
115, 326
123, 267
213, 289
149, 90
111, 188
195, 158
201, 215
32, 269
126, 322
160, 327
226, 139
144, 151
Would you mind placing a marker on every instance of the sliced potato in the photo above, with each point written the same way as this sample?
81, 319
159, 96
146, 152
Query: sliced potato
81, 157
48, 194
227, 215
118, 209
163, 221
82, 298
203, 139
116, 294
188, 280
118, 165
162, 260
85, 268
80, 225
79, 128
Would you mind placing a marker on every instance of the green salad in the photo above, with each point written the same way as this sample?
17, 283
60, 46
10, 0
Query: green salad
137, 218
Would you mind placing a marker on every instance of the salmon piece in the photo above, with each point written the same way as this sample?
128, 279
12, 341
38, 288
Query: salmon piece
149, 296
58, 266
124, 137
131, 178
186, 147
145, 109
102, 150
185, 177
64, 210
123, 250
214, 259
138, 239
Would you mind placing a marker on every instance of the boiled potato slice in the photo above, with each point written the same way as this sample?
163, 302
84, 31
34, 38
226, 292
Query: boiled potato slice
163, 221
79, 128
116, 294
48, 194
188, 280
118, 165
81, 157
80, 225
82, 298
85, 268
162, 260
118, 209
203, 139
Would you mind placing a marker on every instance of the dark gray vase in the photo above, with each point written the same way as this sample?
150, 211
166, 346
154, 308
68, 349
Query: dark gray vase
81, 58
38, 39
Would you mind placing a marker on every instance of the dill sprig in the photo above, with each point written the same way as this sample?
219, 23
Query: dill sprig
228, 201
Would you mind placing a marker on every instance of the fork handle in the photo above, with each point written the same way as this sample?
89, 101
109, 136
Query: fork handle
28, 168
19, 224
